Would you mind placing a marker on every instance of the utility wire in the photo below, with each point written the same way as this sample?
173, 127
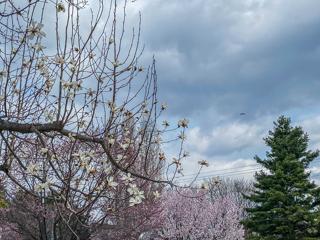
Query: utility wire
219, 172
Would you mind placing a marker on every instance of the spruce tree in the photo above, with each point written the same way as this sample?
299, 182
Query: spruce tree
284, 196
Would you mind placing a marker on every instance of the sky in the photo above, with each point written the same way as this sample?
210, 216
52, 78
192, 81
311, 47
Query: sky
217, 59
231, 68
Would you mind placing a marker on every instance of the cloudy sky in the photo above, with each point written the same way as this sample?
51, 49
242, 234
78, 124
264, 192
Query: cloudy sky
219, 58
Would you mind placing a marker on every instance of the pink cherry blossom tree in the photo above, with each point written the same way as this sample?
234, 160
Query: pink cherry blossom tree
190, 215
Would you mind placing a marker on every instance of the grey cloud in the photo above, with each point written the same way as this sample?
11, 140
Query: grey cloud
259, 57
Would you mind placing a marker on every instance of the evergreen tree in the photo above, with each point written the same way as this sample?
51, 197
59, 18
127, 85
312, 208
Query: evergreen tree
284, 196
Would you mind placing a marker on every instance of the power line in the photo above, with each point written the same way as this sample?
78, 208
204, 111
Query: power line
231, 173
241, 172
223, 169
219, 170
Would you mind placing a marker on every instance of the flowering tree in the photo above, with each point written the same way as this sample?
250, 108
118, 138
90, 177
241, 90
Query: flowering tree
232, 188
78, 114
191, 215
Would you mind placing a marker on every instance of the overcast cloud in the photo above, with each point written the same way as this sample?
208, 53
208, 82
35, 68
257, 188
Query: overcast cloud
219, 58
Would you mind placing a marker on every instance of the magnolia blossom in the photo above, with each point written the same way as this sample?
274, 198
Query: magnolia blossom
38, 47
3, 74
91, 92
164, 106
136, 195
32, 169
44, 151
135, 200
111, 183
156, 194
61, 7
204, 186
216, 180
84, 164
120, 157
108, 170
203, 163
115, 63
59, 60
186, 154
127, 178
165, 123
34, 30
42, 186
176, 161
162, 157
124, 146
183, 123
182, 136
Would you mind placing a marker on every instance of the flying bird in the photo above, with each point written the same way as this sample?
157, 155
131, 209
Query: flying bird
242, 114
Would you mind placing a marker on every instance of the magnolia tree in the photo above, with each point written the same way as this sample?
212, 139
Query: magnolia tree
192, 215
79, 115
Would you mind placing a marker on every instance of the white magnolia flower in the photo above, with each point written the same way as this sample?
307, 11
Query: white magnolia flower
127, 178
41, 65
183, 123
156, 194
111, 183
120, 157
115, 63
84, 164
71, 137
124, 146
165, 123
59, 60
108, 170
34, 30
3, 74
38, 47
91, 92
203, 163
61, 7
216, 180
134, 201
100, 187
186, 154
136, 195
42, 186
164, 106
205, 186
49, 116
91, 55
82, 124
176, 161
182, 136
44, 151
162, 157
71, 95
111, 140
72, 67
91, 170
132, 189
32, 169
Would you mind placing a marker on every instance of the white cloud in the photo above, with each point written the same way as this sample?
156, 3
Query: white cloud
229, 138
